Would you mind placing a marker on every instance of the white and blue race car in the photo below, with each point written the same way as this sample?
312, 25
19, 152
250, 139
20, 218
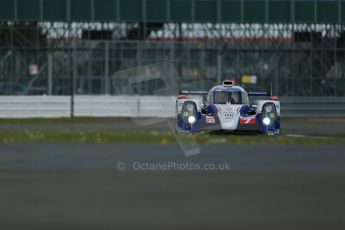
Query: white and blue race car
227, 108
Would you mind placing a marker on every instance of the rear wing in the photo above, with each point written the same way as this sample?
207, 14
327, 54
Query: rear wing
193, 92
258, 93
263, 94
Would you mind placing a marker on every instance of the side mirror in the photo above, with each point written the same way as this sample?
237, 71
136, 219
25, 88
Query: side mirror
212, 110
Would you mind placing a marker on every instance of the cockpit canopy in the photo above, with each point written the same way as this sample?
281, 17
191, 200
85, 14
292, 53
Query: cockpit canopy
226, 96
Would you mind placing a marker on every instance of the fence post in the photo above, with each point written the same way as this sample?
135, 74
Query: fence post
138, 106
106, 68
219, 67
50, 73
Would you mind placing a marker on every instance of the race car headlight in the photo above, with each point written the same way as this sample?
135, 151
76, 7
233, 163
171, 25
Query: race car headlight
269, 114
191, 119
189, 112
266, 121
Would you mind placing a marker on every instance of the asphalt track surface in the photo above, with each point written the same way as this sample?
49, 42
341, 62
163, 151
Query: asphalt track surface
57, 186
126, 186
254, 157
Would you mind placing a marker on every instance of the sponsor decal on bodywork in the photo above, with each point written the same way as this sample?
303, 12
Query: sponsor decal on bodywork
210, 120
248, 120
228, 113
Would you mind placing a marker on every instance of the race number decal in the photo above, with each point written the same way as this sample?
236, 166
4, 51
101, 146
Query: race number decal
210, 120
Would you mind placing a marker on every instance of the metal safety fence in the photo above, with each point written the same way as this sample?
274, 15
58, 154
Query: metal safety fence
60, 58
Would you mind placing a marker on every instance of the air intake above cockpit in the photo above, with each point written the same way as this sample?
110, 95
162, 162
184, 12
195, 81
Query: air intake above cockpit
228, 83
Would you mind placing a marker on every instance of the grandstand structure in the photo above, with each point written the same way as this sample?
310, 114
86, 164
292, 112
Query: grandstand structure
56, 47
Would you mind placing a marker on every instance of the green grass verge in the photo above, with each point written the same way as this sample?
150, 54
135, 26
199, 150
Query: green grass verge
101, 137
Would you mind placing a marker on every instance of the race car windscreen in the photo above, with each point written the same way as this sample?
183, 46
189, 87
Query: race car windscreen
223, 97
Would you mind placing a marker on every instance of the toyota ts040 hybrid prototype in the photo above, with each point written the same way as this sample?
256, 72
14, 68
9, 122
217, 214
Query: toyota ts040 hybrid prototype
227, 108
